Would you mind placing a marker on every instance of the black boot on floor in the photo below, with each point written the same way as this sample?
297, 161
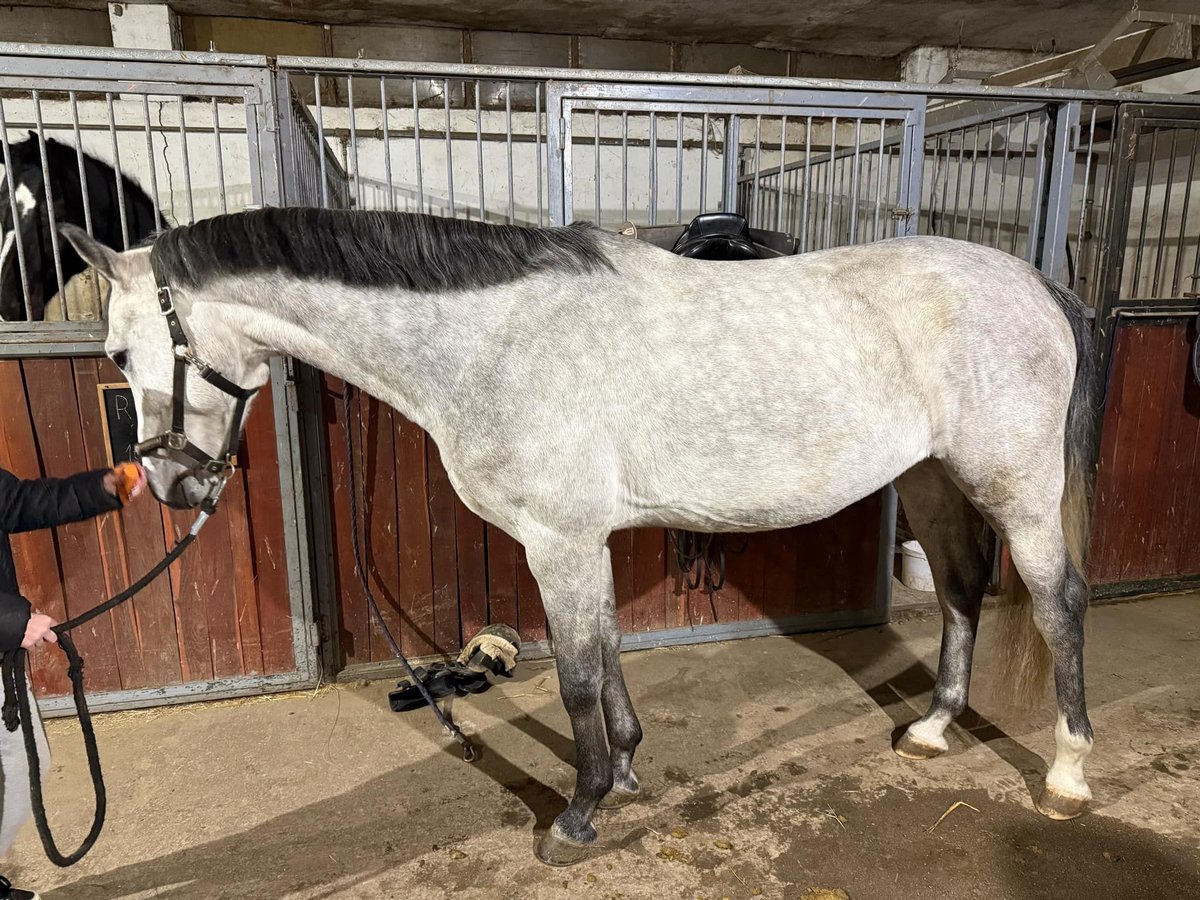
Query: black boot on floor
8, 892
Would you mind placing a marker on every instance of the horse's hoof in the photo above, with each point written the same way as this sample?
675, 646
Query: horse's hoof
1055, 804
556, 849
909, 747
616, 798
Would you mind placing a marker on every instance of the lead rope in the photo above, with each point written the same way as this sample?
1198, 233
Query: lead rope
470, 754
17, 713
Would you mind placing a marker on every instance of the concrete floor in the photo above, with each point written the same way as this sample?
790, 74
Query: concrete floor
767, 766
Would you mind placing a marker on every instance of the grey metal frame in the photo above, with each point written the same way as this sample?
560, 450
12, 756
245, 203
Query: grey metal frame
245, 79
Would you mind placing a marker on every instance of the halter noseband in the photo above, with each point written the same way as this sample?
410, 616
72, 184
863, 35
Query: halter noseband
176, 440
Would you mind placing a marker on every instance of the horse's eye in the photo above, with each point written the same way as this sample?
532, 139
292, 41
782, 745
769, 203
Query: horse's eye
120, 359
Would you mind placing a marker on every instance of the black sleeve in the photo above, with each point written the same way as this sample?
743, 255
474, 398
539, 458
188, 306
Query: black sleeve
14, 616
46, 502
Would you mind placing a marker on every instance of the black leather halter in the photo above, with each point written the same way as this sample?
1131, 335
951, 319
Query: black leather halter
176, 440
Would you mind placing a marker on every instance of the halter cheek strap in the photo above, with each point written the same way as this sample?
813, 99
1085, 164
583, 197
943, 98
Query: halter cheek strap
176, 439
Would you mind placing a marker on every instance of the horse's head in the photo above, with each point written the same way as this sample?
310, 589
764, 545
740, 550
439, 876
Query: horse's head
140, 342
25, 189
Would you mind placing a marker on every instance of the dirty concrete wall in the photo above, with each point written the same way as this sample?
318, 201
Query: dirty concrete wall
46, 25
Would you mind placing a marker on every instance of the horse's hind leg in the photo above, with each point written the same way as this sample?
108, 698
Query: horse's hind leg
570, 576
954, 537
624, 730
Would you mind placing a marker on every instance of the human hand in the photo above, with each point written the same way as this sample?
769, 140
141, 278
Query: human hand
126, 481
39, 628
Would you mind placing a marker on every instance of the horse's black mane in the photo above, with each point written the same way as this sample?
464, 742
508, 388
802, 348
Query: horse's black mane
365, 249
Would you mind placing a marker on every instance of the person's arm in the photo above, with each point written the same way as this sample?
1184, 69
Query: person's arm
47, 502
14, 618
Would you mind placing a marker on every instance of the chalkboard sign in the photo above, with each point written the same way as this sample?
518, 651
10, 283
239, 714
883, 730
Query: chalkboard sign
120, 421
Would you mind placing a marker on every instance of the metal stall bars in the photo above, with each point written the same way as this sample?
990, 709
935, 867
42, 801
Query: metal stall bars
123, 143
1024, 177
1146, 535
773, 155
455, 141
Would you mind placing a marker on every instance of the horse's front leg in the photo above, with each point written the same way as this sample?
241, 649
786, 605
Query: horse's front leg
624, 730
571, 578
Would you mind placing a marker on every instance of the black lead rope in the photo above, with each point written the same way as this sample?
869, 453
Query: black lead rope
470, 754
17, 713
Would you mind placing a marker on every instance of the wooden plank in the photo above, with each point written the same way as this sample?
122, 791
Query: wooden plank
354, 635
1151, 369
1164, 528
141, 528
813, 574
675, 606
1103, 565
34, 553
375, 448
649, 560
531, 615
447, 629
620, 546
130, 660
416, 565
1187, 557
472, 569
245, 596
50, 385
749, 575
264, 510
502, 577
779, 557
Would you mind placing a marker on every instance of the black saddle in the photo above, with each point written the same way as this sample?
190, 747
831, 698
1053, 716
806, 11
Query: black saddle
729, 237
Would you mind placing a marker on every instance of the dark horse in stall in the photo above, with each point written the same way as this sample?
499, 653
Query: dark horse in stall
27, 184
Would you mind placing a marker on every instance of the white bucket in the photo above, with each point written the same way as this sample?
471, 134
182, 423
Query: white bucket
914, 568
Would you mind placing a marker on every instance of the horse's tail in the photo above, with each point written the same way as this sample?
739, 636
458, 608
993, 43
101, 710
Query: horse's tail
1025, 657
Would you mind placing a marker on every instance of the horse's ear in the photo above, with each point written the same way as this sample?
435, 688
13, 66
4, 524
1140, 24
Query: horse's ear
103, 259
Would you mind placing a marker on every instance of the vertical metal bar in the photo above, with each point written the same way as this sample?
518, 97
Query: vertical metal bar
1141, 244
48, 185
512, 213
149, 159
416, 106
987, 183
1053, 244
808, 121
754, 199
187, 166
449, 148
653, 169
479, 150
729, 175
971, 187
780, 175
1083, 197
829, 197
358, 188
962, 150
1020, 185
879, 181
537, 143
679, 167
1003, 181
1183, 219
83, 185
596, 151
945, 183
220, 162
899, 181
1165, 211
387, 143
12, 207
704, 164
1035, 224
855, 179
116, 151
321, 141
625, 167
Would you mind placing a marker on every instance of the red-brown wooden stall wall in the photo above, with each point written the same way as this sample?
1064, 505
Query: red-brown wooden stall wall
223, 611
1146, 518
440, 573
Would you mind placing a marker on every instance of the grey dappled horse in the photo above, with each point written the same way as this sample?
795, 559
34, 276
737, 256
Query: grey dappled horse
554, 369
